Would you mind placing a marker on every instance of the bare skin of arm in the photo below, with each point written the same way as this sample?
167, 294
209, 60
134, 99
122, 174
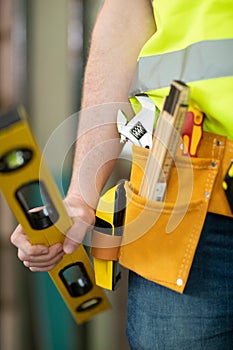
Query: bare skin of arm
120, 31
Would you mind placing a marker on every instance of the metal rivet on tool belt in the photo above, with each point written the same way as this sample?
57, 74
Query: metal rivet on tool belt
213, 164
207, 194
179, 282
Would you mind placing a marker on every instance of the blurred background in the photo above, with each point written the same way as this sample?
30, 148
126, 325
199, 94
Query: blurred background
43, 50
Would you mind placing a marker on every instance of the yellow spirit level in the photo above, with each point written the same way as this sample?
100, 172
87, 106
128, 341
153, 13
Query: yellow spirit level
36, 203
107, 236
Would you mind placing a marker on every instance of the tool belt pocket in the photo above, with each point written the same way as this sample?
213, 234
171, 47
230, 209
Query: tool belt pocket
160, 238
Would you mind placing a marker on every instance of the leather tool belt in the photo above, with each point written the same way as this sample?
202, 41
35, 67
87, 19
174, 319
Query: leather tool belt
160, 238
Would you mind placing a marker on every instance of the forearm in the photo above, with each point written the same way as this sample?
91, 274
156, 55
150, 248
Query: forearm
120, 31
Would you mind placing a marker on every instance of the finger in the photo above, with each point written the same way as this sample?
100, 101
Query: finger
44, 265
53, 251
45, 268
75, 236
21, 241
42, 269
70, 246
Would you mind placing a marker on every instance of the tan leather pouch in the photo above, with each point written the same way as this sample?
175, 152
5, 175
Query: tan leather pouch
160, 238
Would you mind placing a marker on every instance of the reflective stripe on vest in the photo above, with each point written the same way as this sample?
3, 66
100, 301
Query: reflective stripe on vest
200, 61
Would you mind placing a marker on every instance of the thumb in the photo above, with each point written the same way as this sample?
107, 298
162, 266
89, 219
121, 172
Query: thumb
75, 235
69, 246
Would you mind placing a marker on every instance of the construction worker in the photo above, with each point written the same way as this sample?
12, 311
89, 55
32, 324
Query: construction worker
190, 41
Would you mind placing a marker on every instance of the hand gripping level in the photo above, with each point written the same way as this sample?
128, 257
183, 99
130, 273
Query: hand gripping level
35, 201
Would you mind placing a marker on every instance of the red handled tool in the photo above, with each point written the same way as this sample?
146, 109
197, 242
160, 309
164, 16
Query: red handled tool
192, 132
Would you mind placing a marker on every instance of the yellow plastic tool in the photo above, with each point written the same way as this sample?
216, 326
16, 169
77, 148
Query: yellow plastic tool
36, 203
110, 221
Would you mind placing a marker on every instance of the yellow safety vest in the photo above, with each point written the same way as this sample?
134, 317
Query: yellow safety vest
193, 43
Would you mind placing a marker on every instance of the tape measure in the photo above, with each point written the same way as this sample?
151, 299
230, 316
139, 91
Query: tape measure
107, 237
34, 199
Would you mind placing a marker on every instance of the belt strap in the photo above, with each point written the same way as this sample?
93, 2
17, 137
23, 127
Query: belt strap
105, 246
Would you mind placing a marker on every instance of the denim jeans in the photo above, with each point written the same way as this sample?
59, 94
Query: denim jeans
202, 317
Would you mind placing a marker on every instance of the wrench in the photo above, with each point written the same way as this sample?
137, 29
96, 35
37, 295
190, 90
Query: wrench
139, 129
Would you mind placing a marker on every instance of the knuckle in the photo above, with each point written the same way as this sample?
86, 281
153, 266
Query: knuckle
16, 234
21, 255
13, 239
26, 264
30, 250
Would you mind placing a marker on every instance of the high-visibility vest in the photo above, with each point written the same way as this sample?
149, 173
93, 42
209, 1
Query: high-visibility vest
193, 43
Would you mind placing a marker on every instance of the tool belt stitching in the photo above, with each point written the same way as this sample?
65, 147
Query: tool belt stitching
216, 154
194, 235
187, 256
219, 148
230, 146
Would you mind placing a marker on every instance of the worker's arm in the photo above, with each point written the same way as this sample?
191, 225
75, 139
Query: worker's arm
121, 29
